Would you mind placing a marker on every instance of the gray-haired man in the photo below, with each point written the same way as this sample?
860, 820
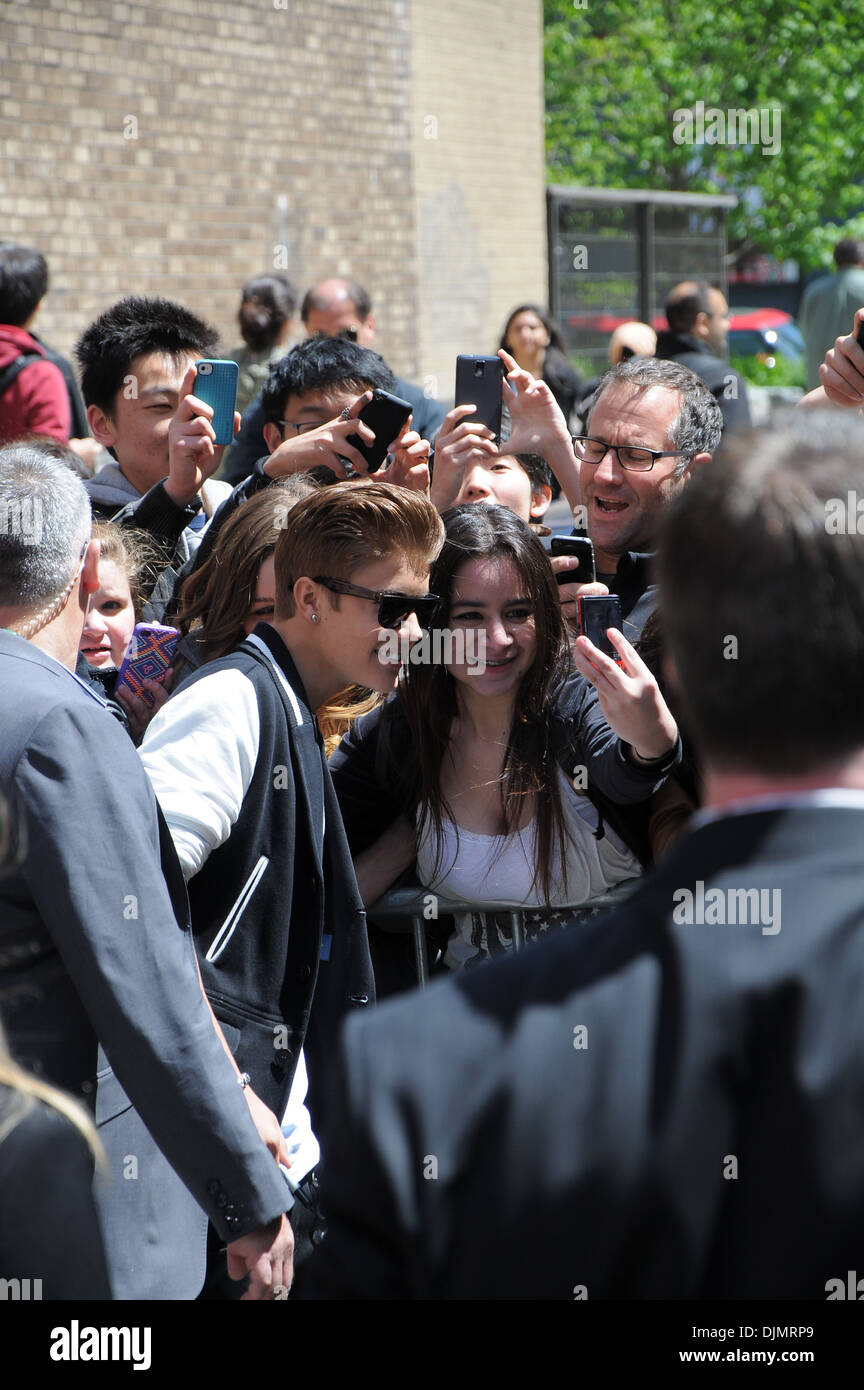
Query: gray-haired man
94, 941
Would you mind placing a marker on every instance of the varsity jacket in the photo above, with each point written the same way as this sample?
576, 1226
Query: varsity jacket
238, 766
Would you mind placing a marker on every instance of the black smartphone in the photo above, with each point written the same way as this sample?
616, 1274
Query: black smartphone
596, 613
859, 336
478, 382
385, 415
583, 548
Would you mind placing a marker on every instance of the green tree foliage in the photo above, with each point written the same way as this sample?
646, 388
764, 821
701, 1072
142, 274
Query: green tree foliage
618, 70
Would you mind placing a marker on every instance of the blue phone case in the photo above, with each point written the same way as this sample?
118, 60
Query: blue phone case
216, 384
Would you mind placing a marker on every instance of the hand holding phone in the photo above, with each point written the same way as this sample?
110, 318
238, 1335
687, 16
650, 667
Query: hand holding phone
596, 613
478, 383
627, 691
841, 375
461, 442
408, 465
194, 447
148, 657
216, 386
583, 549
385, 415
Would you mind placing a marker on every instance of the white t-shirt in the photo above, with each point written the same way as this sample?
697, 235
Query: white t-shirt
500, 868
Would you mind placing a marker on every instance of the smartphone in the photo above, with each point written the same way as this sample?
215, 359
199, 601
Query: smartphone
478, 382
596, 613
385, 415
216, 385
583, 548
148, 657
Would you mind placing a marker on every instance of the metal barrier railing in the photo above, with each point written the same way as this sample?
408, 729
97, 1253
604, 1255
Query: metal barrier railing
413, 902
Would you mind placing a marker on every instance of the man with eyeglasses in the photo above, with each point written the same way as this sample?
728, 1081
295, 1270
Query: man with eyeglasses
238, 766
652, 424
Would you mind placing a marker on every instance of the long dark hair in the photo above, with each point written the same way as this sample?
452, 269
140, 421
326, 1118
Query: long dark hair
429, 700
215, 599
555, 338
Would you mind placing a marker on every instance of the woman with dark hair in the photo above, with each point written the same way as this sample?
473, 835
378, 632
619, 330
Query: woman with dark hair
233, 590
506, 774
265, 316
533, 337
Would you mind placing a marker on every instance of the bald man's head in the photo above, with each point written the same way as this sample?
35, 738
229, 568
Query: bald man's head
632, 340
339, 306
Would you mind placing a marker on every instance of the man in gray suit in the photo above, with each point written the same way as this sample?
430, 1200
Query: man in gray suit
94, 943
667, 1102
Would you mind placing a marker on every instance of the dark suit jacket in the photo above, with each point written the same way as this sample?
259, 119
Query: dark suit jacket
727, 386
93, 945
703, 1137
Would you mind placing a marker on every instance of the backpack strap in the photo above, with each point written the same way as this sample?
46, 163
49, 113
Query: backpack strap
15, 368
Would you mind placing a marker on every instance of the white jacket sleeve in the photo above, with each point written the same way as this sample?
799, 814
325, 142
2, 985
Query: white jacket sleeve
200, 752
297, 1128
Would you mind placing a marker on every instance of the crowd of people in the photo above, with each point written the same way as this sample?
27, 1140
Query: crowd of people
189, 944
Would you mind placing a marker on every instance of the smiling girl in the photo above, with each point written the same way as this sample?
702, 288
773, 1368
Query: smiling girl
480, 761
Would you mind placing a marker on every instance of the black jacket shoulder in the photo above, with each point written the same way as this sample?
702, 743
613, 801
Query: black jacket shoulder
48, 1226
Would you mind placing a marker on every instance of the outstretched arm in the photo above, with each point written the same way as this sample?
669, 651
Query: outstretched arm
539, 426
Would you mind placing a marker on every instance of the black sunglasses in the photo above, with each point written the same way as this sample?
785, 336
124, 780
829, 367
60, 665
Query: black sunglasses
393, 607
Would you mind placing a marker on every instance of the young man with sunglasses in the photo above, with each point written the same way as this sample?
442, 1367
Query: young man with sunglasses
238, 766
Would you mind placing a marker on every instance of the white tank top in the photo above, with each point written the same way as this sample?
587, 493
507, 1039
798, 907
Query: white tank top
499, 868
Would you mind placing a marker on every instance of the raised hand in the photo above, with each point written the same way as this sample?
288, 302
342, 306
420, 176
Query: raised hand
328, 445
193, 455
539, 427
629, 696
842, 372
460, 443
408, 464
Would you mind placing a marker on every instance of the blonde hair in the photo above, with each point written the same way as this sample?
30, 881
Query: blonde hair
131, 551
337, 714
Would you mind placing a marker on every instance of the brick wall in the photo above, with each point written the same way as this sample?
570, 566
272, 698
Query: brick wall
178, 147
479, 173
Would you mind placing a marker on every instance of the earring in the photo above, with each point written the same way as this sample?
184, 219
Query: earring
314, 617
